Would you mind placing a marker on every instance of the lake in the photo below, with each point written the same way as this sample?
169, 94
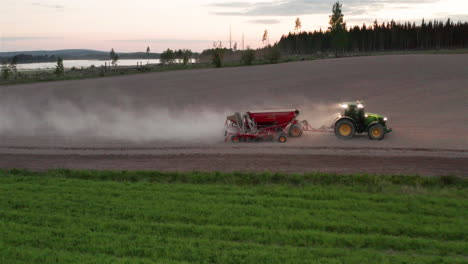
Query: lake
82, 63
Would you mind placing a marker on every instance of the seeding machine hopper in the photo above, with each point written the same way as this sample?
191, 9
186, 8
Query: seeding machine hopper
272, 124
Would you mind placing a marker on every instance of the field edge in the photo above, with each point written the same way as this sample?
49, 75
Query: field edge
245, 178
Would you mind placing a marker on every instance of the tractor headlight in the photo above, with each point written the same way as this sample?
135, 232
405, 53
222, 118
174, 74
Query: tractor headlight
366, 115
360, 106
344, 105
385, 119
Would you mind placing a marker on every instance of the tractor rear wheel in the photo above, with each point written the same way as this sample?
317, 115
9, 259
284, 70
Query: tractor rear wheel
281, 138
295, 130
345, 129
376, 132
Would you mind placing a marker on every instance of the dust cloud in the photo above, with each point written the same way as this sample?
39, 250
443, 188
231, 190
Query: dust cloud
124, 122
319, 114
129, 121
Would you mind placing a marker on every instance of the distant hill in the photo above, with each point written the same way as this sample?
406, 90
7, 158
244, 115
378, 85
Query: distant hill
70, 54
66, 52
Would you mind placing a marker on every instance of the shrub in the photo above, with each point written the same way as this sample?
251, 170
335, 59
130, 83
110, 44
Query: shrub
102, 71
5, 71
167, 57
248, 56
217, 57
59, 69
273, 54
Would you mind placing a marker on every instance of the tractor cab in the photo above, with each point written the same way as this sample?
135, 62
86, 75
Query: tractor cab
356, 120
355, 111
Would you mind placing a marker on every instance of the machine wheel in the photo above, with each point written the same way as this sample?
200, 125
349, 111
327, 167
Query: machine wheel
345, 129
295, 130
376, 132
281, 138
235, 139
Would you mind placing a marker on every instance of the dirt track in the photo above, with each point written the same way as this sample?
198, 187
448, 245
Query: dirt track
424, 96
430, 166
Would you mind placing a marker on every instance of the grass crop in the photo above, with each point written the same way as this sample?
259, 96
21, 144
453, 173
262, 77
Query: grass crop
65, 216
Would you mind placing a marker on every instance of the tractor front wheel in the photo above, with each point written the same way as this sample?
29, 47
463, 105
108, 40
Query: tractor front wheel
345, 129
295, 130
376, 132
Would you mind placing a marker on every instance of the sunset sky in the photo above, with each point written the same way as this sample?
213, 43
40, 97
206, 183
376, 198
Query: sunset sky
133, 25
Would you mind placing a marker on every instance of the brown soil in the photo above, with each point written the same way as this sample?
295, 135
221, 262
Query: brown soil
430, 166
424, 96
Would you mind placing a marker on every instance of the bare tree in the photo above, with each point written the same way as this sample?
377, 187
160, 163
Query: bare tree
297, 29
298, 25
265, 37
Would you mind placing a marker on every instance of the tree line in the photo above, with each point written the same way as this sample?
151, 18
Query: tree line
172, 56
26, 58
219, 55
386, 36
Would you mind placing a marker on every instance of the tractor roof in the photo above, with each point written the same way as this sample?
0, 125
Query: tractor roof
353, 104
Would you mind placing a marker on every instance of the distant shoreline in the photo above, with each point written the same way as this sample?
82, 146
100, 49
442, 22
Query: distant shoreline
42, 56
82, 60
45, 75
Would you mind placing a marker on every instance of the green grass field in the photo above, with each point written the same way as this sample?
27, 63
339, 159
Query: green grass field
152, 217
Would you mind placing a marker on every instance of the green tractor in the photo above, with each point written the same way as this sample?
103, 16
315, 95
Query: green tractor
356, 120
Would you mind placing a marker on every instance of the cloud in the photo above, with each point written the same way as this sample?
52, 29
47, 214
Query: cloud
302, 7
280, 8
265, 21
26, 38
232, 4
453, 17
53, 6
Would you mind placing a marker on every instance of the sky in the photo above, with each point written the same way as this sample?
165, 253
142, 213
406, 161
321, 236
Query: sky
133, 25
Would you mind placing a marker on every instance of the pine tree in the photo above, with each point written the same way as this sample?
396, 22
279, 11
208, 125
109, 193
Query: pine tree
59, 68
147, 54
338, 29
112, 54
114, 57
